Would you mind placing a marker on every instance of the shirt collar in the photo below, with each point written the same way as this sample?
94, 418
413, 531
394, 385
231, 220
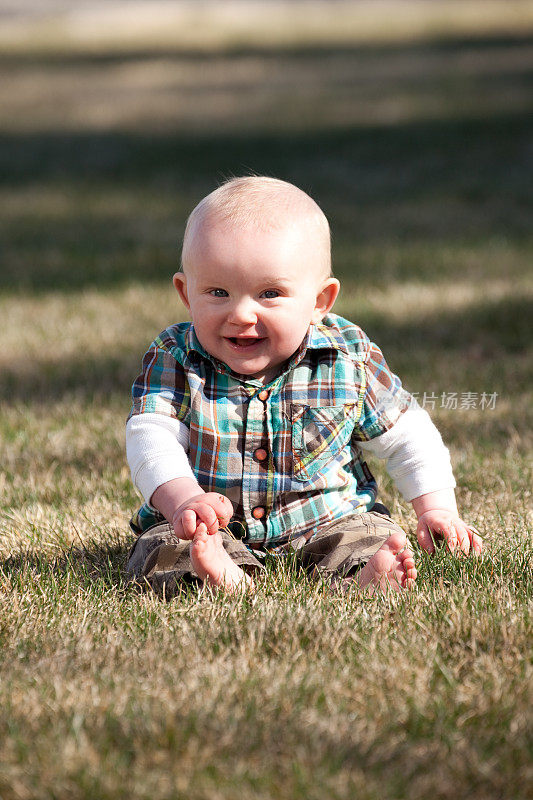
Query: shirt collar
321, 336
324, 335
192, 345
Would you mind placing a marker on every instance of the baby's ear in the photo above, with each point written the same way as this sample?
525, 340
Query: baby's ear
325, 299
180, 284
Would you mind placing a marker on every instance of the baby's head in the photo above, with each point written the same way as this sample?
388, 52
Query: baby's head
256, 272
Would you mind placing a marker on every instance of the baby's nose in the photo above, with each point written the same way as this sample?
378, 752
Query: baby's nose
243, 312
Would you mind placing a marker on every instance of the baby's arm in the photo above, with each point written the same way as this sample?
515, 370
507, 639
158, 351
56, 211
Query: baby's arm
155, 447
419, 464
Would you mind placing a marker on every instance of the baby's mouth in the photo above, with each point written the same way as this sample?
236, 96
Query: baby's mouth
244, 342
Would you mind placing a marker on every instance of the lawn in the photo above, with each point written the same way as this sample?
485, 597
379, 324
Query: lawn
419, 149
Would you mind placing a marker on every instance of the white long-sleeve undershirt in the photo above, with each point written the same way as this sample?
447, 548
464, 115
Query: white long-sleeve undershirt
417, 460
416, 457
156, 449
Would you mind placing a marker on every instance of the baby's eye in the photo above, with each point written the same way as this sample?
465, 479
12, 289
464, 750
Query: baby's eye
270, 294
219, 293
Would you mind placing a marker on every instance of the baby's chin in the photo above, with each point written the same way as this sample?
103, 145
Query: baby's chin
256, 372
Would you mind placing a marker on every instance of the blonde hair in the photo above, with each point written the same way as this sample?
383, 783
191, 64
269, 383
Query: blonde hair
267, 204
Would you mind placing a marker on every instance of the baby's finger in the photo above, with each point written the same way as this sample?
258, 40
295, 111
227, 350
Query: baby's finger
188, 523
223, 508
207, 514
476, 540
450, 536
463, 538
425, 538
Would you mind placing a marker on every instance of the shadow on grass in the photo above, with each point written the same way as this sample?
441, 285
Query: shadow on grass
448, 46
107, 208
125, 198
102, 565
93, 379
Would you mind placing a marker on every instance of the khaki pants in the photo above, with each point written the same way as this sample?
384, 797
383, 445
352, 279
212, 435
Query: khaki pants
160, 560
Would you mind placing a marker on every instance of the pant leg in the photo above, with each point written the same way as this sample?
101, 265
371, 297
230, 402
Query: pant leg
345, 545
161, 561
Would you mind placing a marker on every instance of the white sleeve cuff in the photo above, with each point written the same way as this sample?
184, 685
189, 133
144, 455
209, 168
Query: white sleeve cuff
156, 449
417, 460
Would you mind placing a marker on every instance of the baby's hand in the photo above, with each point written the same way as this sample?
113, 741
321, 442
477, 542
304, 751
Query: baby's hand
213, 509
440, 523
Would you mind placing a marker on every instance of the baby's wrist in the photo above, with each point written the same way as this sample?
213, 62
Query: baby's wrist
430, 513
438, 510
176, 516
172, 496
442, 500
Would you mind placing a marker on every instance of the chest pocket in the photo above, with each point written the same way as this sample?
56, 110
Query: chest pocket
318, 435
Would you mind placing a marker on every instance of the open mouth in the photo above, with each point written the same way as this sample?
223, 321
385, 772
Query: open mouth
244, 342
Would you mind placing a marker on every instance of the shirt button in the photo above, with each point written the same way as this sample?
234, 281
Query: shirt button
260, 454
263, 395
258, 512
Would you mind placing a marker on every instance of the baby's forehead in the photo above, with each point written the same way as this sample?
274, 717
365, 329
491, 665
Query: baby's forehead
215, 225
270, 207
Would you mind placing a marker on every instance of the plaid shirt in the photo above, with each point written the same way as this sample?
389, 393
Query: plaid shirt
336, 391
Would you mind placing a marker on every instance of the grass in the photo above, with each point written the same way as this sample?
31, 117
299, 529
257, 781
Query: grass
419, 149
115, 693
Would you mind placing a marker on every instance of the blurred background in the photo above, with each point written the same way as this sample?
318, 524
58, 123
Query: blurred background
409, 121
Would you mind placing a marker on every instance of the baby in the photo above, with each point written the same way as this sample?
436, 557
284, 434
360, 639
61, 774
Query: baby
249, 425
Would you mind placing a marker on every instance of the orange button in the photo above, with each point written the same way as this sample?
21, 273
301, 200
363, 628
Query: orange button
258, 512
263, 395
260, 454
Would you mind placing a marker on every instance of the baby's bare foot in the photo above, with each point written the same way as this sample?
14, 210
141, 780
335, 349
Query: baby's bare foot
391, 568
213, 564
